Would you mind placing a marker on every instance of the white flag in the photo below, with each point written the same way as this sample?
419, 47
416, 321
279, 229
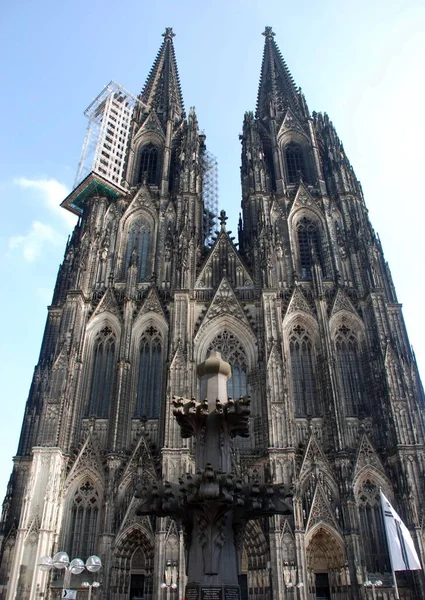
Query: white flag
400, 544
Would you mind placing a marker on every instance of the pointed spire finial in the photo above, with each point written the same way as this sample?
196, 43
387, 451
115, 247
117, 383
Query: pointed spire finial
168, 35
223, 219
268, 33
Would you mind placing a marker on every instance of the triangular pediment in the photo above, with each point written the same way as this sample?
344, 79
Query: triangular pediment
303, 198
88, 461
132, 518
151, 124
321, 510
290, 123
225, 303
140, 468
343, 302
108, 304
218, 265
367, 457
314, 460
298, 303
152, 303
141, 201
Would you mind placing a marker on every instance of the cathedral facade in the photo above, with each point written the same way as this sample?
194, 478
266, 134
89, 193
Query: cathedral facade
302, 307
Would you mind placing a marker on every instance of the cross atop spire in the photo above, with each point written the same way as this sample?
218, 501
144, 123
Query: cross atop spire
277, 86
268, 33
162, 88
168, 34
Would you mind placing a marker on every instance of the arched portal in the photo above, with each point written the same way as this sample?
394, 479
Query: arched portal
254, 577
132, 575
326, 562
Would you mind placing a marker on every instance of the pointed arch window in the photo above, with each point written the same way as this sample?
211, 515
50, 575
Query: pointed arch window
103, 374
303, 373
372, 530
84, 521
232, 351
149, 379
149, 165
310, 247
294, 161
349, 370
138, 247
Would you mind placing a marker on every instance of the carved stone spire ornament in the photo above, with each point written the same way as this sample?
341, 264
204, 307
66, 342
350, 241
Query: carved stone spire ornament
213, 504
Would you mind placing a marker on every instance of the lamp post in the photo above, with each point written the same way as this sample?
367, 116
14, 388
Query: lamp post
373, 584
170, 576
86, 584
74, 567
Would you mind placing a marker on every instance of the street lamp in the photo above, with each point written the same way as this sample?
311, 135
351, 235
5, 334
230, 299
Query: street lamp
373, 584
170, 576
74, 567
86, 584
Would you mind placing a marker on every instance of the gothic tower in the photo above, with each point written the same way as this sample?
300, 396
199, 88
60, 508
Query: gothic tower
304, 310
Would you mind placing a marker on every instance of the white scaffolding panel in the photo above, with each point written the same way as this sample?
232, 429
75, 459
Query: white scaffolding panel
106, 142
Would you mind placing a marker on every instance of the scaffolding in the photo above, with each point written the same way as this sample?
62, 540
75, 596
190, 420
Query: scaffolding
105, 145
210, 195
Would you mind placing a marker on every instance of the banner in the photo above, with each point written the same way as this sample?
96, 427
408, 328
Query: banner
400, 544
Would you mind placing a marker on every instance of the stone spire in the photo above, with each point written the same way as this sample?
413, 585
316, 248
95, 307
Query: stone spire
277, 88
162, 89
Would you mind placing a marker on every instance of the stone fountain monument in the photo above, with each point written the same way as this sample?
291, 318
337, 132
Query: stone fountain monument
213, 505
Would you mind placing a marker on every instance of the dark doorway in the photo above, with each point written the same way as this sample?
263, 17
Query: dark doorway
323, 591
243, 582
137, 584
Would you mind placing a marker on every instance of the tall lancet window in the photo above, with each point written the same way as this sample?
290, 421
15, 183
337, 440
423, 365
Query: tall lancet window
349, 369
310, 248
303, 373
372, 531
294, 161
149, 165
232, 351
84, 520
138, 248
149, 379
103, 374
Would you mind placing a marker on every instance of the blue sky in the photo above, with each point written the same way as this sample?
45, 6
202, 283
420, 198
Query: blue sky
362, 62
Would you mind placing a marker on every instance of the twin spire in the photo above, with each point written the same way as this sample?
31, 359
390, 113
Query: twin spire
277, 87
162, 89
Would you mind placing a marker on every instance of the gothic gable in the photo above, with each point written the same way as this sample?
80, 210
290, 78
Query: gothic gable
304, 199
141, 201
367, 458
140, 468
298, 303
152, 303
343, 302
223, 260
225, 302
88, 461
314, 461
108, 304
152, 124
290, 123
321, 510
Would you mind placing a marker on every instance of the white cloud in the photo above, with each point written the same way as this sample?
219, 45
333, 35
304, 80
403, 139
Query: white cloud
53, 192
33, 242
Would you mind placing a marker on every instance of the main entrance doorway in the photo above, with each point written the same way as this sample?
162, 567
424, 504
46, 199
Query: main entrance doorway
325, 562
137, 587
323, 591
